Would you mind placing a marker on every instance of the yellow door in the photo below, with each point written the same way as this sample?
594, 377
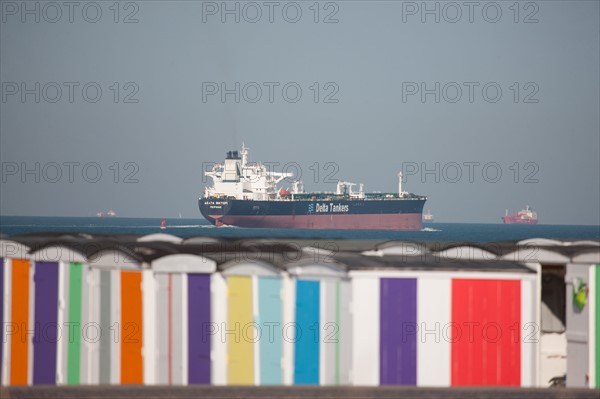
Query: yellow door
240, 370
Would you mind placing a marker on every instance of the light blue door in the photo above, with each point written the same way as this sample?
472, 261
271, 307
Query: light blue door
269, 319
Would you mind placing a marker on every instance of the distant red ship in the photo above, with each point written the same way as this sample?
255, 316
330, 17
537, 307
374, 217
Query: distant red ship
525, 216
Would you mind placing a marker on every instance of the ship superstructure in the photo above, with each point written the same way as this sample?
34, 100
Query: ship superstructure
236, 178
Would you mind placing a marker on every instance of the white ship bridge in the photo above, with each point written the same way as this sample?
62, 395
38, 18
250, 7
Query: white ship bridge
238, 178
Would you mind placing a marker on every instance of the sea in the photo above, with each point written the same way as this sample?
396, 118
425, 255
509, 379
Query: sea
183, 227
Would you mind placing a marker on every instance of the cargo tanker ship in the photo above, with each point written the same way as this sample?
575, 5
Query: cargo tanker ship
525, 216
245, 194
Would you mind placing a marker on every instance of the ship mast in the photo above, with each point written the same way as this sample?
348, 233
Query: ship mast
244, 154
400, 192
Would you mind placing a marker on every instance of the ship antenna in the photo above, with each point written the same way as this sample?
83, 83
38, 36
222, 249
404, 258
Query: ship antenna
244, 153
400, 194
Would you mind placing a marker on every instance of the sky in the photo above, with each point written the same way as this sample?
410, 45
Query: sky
484, 106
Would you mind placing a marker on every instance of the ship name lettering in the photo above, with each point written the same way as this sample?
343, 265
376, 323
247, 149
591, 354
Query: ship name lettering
331, 207
322, 208
216, 202
339, 208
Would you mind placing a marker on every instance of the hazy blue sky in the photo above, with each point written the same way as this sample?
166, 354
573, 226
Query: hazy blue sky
158, 118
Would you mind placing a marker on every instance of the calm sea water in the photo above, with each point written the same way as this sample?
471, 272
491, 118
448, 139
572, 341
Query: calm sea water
13, 225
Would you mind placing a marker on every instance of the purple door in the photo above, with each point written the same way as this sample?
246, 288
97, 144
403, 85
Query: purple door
46, 326
398, 331
198, 324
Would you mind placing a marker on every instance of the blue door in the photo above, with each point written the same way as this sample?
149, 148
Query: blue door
306, 354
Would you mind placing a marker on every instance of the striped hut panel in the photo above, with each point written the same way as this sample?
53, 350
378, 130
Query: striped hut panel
164, 329
91, 326
527, 333
149, 327
597, 326
269, 320
46, 323
199, 323
74, 333
306, 348
63, 323
216, 330
433, 321
179, 333
344, 333
20, 317
594, 327
172, 335
240, 350
398, 331
131, 359
112, 331
365, 327
107, 328
328, 328
5, 310
486, 345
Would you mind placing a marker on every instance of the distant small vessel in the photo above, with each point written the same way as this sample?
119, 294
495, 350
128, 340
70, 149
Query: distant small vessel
525, 216
110, 213
428, 217
163, 224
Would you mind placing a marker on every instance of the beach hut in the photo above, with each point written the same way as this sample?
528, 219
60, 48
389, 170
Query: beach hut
16, 282
582, 281
427, 322
319, 346
177, 341
594, 327
249, 321
57, 293
549, 259
113, 315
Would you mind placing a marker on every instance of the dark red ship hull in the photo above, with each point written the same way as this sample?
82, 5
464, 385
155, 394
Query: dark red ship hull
407, 221
398, 214
516, 220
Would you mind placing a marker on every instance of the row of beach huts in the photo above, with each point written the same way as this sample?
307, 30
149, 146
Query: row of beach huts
80, 309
